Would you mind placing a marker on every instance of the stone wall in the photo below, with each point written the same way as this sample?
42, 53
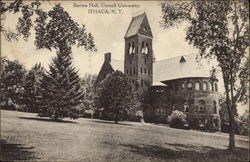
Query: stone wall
200, 103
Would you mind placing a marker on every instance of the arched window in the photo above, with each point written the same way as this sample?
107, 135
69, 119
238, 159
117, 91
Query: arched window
201, 106
143, 47
186, 106
146, 48
182, 85
215, 107
190, 86
133, 47
205, 86
130, 50
197, 86
215, 87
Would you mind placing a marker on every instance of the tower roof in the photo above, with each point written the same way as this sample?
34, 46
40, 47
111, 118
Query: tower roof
136, 24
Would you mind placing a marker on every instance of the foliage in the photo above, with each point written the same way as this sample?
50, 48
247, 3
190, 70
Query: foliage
32, 88
242, 124
87, 85
48, 26
117, 95
61, 92
177, 119
219, 29
11, 81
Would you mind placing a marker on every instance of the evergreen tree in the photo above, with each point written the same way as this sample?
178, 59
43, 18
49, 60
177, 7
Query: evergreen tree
61, 91
32, 87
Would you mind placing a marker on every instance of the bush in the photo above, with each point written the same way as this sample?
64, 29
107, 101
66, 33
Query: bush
177, 119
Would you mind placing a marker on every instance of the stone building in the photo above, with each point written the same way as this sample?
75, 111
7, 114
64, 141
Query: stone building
179, 83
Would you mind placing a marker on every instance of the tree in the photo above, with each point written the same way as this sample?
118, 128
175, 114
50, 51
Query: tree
220, 30
33, 16
116, 94
61, 92
25, 23
60, 87
11, 81
87, 85
32, 88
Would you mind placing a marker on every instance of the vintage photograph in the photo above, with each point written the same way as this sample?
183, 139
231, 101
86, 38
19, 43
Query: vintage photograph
104, 81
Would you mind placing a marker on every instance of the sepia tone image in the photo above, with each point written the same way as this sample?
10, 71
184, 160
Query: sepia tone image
124, 80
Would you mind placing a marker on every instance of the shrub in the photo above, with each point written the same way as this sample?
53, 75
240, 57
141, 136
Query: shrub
177, 119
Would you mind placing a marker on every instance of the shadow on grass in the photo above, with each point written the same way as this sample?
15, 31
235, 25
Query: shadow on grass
111, 122
180, 152
11, 152
48, 120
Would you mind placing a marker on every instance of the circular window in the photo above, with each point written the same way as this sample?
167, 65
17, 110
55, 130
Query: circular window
145, 29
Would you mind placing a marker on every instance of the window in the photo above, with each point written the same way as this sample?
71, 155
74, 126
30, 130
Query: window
130, 71
197, 86
134, 70
146, 48
215, 107
215, 87
143, 47
182, 85
186, 106
127, 71
190, 86
145, 60
131, 47
205, 86
141, 69
130, 61
148, 71
142, 83
201, 106
145, 71
202, 123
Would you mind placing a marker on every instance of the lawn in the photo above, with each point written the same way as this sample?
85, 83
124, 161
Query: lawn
26, 137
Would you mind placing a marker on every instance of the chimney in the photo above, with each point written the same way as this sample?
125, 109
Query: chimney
107, 57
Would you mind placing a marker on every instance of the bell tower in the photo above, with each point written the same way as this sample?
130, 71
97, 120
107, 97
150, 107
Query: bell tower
138, 63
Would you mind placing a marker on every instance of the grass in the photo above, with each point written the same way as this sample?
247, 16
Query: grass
26, 137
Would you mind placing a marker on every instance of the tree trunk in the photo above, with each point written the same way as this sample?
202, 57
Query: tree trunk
231, 120
116, 119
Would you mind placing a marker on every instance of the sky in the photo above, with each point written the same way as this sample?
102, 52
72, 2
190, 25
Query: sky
108, 31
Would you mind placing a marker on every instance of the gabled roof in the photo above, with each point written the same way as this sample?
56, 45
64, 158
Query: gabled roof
135, 25
185, 66
117, 65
